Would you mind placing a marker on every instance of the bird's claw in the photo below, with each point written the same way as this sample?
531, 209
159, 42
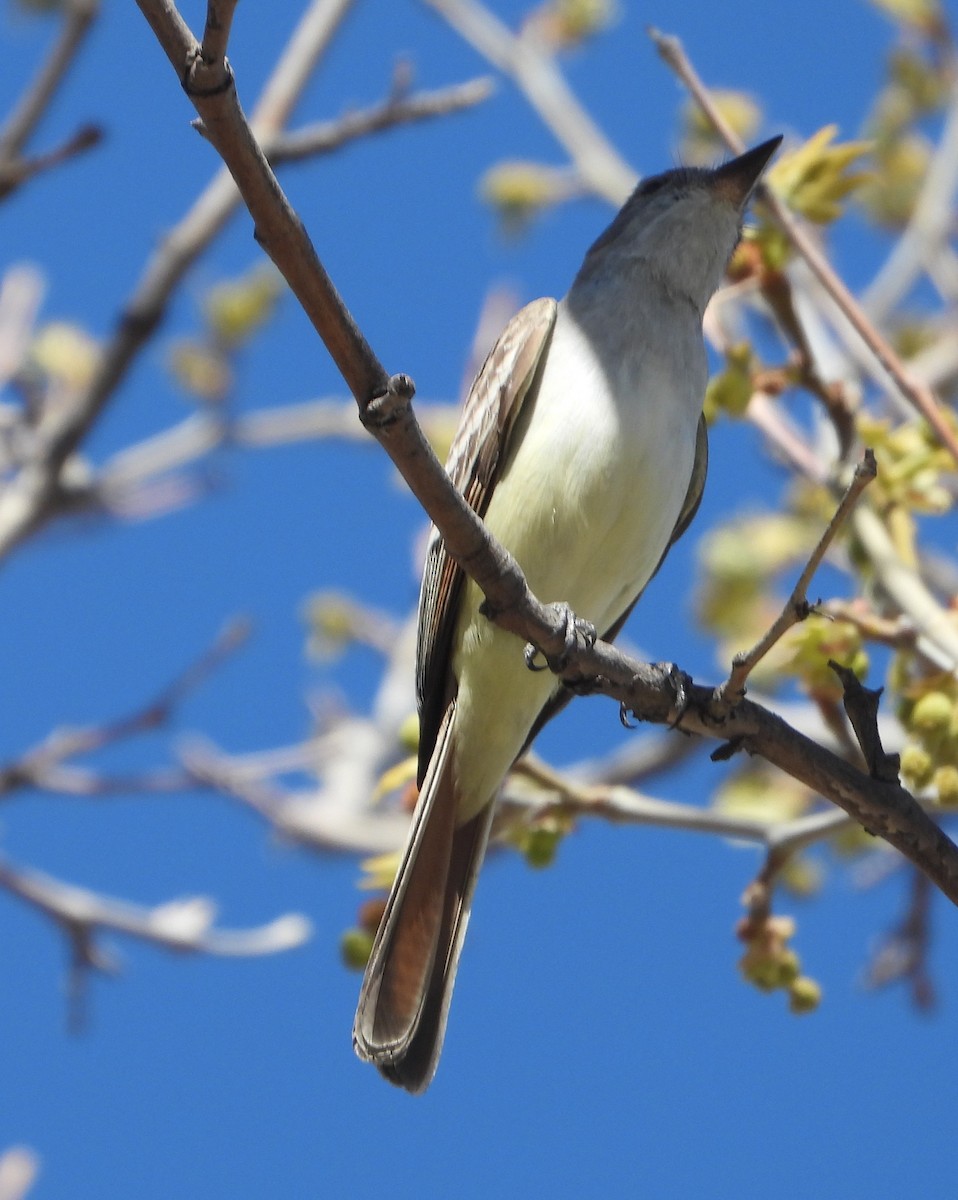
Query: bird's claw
573, 628
680, 690
530, 654
683, 700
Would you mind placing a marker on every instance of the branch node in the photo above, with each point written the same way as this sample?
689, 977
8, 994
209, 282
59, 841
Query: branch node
861, 706
727, 749
387, 407
195, 70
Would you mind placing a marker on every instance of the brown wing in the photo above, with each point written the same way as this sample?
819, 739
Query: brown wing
509, 374
690, 506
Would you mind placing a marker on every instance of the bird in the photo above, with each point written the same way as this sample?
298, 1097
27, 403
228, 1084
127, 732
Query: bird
582, 446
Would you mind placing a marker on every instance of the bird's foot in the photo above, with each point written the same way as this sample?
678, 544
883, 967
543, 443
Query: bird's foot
680, 684
573, 628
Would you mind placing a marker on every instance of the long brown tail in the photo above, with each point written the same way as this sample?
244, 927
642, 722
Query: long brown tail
404, 1000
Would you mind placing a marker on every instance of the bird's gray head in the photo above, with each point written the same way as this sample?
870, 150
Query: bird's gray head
679, 228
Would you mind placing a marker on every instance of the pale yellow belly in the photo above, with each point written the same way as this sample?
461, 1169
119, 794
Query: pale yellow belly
597, 503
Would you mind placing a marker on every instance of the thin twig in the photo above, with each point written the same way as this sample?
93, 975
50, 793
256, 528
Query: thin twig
78, 17
796, 608
16, 172
216, 34
42, 766
921, 398
327, 136
182, 925
556, 794
903, 953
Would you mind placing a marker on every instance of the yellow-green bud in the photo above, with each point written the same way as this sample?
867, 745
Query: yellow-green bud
946, 783
932, 713
355, 947
762, 969
804, 995
409, 733
789, 966
539, 847
917, 766
200, 369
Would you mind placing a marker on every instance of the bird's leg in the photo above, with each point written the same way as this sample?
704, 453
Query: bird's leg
573, 628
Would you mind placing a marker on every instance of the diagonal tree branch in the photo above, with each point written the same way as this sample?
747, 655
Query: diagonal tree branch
35, 494
657, 693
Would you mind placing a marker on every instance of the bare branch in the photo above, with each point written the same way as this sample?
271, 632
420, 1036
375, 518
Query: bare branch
318, 819
903, 953
78, 18
15, 172
925, 236
42, 766
937, 635
622, 805
216, 35
184, 926
327, 136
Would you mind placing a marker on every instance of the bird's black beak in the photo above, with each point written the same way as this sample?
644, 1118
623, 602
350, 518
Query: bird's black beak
736, 179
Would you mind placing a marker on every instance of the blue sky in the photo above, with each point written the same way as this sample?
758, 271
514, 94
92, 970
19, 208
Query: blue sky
601, 1041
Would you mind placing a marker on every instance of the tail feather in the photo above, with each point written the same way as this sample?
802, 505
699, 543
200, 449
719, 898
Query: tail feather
406, 991
415, 1068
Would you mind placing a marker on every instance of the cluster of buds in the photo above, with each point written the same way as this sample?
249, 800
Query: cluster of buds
807, 649
234, 311
771, 964
911, 462
929, 713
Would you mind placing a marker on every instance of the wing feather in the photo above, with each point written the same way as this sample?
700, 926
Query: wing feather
508, 376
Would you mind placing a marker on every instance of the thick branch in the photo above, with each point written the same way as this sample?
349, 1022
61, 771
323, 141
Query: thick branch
278, 229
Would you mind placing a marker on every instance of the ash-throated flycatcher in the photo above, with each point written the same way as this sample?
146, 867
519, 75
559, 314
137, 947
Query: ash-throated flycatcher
582, 446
